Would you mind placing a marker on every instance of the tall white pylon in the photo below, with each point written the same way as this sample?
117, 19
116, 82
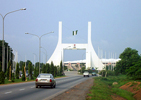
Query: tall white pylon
92, 59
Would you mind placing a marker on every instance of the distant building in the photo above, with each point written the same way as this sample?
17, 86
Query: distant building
75, 65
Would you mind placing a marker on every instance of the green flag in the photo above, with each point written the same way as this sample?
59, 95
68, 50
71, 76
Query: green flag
74, 32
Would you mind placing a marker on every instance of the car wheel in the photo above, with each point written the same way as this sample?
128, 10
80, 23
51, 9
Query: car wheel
54, 86
88, 75
40, 86
84, 75
36, 86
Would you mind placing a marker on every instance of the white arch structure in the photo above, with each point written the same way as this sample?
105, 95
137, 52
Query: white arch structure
92, 59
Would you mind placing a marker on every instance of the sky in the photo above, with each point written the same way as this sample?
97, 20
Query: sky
116, 25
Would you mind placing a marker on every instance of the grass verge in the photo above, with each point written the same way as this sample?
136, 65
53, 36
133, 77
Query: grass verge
103, 88
20, 80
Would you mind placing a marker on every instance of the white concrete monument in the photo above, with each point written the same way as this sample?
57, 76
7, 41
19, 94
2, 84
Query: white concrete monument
92, 59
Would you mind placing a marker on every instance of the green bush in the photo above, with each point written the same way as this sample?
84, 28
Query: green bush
23, 77
107, 72
17, 71
81, 70
23, 73
110, 73
0, 67
103, 78
102, 73
2, 77
30, 69
13, 78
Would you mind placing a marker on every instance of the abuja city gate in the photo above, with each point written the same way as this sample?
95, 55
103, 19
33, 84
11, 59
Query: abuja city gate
92, 60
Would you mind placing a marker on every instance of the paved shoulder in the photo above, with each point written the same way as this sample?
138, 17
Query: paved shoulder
78, 92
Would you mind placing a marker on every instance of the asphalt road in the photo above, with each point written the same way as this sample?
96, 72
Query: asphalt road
27, 91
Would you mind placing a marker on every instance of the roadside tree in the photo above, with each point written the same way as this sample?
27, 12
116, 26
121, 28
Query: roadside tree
61, 68
129, 63
23, 72
2, 76
55, 71
9, 71
21, 64
44, 69
48, 67
17, 71
0, 67
30, 70
52, 68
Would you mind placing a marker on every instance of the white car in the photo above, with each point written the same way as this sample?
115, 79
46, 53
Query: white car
45, 79
86, 73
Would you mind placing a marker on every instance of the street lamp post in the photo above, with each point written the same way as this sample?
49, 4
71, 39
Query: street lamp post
3, 47
39, 45
46, 53
43, 56
34, 59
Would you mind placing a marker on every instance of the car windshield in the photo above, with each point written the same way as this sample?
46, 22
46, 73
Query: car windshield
44, 76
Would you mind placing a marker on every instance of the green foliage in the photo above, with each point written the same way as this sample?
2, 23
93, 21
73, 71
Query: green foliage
61, 68
9, 52
110, 73
129, 64
48, 68
102, 73
2, 77
82, 70
17, 71
65, 67
106, 73
109, 67
128, 58
123, 93
44, 69
35, 72
23, 76
100, 91
13, 78
21, 64
58, 71
55, 71
52, 68
103, 88
0, 66
30, 69
8, 70
41, 67
135, 71
27, 63
37, 68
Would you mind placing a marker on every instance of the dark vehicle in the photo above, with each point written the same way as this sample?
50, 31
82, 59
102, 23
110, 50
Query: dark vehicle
93, 74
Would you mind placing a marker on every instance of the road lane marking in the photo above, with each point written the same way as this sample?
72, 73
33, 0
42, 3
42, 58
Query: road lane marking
32, 87
8, 92
22, 89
